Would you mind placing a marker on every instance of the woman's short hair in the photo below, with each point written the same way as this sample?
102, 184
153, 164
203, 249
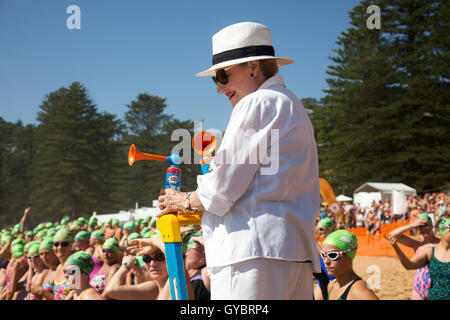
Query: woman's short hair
269, 67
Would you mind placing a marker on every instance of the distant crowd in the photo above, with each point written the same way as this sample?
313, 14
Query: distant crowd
436, 206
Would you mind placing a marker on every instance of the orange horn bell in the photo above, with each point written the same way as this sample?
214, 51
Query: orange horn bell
204, 143
135, 155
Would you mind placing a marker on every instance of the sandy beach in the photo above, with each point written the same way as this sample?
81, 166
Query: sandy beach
395, 282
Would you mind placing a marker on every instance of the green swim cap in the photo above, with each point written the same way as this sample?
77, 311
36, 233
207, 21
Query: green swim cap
133, 236
344, 240
48, 225
98, 235
82, 219
28, 245
65, 220
153, 222
5, 238
444, 226
148, 234
51, 232
76, 225
83, 236
29, 234
41, 234
130, 225
187, 242
17, 250
18, 240
113, 244
139, 221
426, 217
82, 260
63, 235
326, 223
115, 222
145, 230
33, 249
18, 253
156, 235
47, 243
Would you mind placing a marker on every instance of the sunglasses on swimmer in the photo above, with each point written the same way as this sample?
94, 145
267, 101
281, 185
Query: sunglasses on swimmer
70, 272
30, 258
333, 255
63, 244
157, 257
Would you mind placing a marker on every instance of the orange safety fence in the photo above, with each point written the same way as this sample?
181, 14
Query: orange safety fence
376, 245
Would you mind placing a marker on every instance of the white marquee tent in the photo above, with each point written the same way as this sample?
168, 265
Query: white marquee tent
397, 193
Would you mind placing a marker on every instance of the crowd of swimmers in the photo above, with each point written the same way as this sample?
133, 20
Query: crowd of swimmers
84, 259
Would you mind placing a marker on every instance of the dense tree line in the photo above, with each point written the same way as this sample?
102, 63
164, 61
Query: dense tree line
74, 161
386, 113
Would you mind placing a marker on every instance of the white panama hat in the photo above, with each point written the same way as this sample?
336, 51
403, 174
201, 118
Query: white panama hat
241, 42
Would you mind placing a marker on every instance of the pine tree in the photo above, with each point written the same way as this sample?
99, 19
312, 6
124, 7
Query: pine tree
16, 153
383, 85
72, 168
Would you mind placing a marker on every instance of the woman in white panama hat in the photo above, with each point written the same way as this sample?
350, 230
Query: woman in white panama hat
258, 216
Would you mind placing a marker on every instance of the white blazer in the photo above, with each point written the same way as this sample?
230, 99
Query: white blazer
256, 209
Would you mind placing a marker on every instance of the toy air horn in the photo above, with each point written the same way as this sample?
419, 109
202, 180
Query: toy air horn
135, 155
204, 143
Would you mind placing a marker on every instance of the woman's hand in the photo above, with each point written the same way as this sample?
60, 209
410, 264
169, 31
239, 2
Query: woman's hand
171, 201
392, 239
144, 246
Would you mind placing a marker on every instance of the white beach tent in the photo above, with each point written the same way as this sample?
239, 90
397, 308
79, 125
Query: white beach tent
397, 193
341, 198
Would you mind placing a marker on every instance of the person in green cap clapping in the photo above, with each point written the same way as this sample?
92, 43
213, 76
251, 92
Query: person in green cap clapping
338, 251
76, 271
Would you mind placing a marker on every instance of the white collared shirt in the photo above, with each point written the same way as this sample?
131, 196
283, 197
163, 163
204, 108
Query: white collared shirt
256, 209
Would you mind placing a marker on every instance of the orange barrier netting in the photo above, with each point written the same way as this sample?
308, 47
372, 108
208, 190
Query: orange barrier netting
376, 245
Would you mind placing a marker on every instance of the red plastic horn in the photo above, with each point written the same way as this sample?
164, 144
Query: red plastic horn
204, 143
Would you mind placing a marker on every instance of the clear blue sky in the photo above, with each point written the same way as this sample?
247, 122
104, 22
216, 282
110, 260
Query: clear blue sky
129, 47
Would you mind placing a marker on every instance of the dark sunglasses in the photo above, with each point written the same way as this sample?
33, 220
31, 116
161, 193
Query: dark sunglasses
221, 76
157, 257
70, 272
36, 256
107, 250
63, 244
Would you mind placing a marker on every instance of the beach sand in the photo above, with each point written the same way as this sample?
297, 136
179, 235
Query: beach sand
395, 282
